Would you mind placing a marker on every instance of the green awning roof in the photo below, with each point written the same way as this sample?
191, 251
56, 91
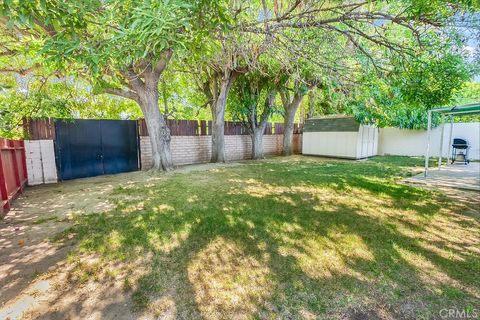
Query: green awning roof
473, 108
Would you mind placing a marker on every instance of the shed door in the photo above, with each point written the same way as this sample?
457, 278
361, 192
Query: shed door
87, 148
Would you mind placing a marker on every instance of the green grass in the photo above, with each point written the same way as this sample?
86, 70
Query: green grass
286, 238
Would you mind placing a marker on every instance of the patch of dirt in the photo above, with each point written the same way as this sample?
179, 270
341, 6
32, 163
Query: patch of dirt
105, 298
209, 166
28, 257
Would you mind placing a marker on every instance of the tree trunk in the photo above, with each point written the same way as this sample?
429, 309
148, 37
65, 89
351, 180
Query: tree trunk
311, 104
158, 131
218, 119
257, 128
257, 142
289, 121
142, 87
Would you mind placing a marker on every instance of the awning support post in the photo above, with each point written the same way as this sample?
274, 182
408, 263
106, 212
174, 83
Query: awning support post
429, 127
441, 147
450, 140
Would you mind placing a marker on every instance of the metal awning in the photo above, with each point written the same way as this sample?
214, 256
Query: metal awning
466, 109
473, 108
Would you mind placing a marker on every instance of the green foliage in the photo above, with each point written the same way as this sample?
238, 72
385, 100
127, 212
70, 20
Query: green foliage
377, 69
102, 38
431, 82
15, 105
246, 95
34, 97
249, 101
468, 93
181, 95
326, 100
439, 8
92, 43
402, 98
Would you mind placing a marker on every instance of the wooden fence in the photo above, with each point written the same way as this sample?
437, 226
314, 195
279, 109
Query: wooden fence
44, 129
13, 172
39, 129
203, 128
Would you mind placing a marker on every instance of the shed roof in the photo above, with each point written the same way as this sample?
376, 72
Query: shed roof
337, 123
331, 116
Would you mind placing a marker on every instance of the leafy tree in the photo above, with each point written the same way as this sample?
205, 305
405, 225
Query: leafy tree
346, 49
230, 53
326, 100
121, 47
468, 93
402, 99
253, 102
291, 100
339, 42
43, 97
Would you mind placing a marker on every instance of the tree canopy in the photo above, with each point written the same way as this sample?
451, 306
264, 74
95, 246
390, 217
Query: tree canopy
386, 62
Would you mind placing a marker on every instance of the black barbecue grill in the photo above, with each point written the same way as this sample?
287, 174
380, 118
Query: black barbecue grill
461, 146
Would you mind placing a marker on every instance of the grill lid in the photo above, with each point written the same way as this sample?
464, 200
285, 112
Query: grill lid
460, 144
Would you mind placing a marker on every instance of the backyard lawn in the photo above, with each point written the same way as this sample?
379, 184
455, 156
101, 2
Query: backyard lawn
290, 238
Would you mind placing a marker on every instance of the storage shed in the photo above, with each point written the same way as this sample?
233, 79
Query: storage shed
339, 136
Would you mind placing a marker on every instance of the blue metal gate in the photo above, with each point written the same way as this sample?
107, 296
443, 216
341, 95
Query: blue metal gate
87, 148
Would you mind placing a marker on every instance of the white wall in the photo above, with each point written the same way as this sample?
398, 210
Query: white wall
40, 158
406, 142
367, 143
348, 144
330, 144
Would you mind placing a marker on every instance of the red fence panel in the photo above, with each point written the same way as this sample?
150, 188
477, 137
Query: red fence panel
13, 173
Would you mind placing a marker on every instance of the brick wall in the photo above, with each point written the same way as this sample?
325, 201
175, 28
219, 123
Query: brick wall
197, 149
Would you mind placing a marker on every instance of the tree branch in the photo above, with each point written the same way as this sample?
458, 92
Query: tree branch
21, 71
162, 63
129, 94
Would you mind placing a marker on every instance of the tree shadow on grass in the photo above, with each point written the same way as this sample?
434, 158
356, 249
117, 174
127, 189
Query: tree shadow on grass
221, 251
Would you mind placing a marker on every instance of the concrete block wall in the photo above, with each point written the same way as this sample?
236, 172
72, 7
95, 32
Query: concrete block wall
40, 158
197, 149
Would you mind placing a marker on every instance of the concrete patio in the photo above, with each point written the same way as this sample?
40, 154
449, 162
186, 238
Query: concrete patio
457, 176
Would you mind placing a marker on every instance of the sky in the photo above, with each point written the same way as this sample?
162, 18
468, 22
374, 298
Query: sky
471, 33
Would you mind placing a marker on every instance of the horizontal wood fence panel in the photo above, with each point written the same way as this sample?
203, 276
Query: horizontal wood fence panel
39, 129
278, 128
44, 129
297, 128
204, 128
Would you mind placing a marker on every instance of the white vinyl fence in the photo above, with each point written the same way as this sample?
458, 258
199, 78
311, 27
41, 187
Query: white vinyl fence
404, 142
